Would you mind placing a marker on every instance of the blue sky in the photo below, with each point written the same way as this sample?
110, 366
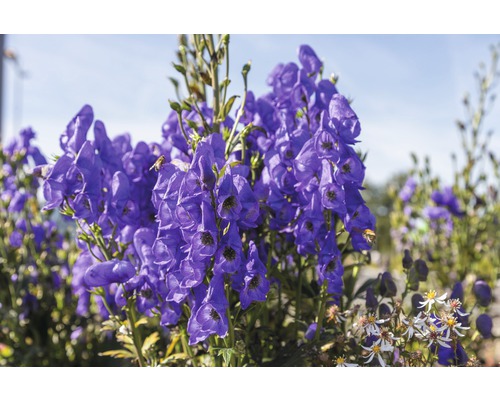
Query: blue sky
407, 89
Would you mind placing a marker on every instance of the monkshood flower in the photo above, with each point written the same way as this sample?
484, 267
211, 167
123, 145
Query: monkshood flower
23, 144
422, 270
483, 293
387, 286
455, 355
457, 292
107, 272
255, 285
208, 314
311, 331
484, 325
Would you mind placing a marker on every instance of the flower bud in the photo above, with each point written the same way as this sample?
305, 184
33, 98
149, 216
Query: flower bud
387, 285
416, 299
482, 291
384, 311
311, 331
407, 260
422, 270
484, 324
458, 292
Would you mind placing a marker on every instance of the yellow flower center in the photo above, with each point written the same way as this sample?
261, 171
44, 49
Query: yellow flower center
340, 360
376, 349
431, 295
371, 319
451, 322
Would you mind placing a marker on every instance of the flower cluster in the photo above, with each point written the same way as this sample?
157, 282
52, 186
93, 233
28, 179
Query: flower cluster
105, 185
312, 176
179, 224
205, 212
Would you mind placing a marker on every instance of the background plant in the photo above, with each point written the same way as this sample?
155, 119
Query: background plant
39, 325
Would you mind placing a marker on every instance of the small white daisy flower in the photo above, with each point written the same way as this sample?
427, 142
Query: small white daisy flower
454, 305
341, 362
452, 324
375, 350
430, 298
433, 334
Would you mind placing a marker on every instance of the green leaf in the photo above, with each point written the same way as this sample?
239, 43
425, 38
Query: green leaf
193, 125
175, 82
150, 341
226, 354
124, 339
179, 68
231, 164
225, 83
117, 354
175, 106
227, 107
142, 321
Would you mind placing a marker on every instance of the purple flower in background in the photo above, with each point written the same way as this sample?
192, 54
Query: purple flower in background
484, 325
446, 198
482, 291
408, 190
457, 292
387, 286
311, 331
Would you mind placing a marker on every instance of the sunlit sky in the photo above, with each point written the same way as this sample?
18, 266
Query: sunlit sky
406, 89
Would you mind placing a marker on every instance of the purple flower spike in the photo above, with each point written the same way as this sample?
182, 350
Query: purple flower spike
408, 189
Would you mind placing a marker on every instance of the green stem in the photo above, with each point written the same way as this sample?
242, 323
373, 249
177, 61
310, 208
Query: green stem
130, 312
214, 69
187, 348
298, 300
322, 309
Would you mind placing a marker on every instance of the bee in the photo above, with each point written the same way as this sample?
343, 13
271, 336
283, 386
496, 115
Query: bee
369, 236
158, 163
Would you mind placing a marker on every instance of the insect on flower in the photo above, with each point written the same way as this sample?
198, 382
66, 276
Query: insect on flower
369, 236
158, 163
